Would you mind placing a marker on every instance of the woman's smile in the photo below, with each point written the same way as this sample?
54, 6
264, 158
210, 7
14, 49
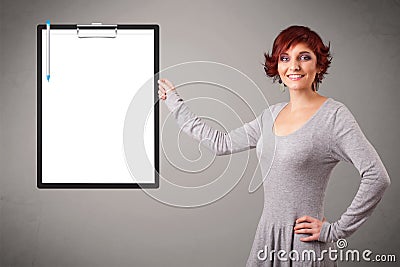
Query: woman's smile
295, 77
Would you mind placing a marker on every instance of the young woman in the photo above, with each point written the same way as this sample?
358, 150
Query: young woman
312, 134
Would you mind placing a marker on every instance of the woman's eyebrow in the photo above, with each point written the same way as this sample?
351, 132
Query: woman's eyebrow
302, 52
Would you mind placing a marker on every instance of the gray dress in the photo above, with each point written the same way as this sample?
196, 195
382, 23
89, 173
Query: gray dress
295, 183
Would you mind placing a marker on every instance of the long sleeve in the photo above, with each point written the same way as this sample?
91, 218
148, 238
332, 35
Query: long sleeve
348, 143
240, 139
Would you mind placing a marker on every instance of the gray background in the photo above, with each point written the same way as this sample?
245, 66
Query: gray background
127, 227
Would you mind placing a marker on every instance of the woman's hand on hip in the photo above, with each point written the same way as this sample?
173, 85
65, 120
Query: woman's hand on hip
309, 225
164, 86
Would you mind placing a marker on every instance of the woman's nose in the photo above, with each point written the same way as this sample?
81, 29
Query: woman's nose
294, 65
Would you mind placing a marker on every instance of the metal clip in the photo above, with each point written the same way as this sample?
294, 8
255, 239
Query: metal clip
96, 30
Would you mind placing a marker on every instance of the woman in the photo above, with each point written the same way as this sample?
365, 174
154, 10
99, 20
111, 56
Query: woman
312, 134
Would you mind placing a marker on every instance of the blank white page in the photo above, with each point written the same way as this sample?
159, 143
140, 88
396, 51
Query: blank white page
93, 81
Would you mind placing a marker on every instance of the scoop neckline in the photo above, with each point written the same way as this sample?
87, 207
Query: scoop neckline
303, 125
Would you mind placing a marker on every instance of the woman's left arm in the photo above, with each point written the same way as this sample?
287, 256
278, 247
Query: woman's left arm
349, 144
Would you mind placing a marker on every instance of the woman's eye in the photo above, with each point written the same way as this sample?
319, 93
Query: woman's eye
284, 58
305, 57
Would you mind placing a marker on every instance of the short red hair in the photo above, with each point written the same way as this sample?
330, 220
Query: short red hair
294, 35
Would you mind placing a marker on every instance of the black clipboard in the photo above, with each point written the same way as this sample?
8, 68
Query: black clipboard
46, 154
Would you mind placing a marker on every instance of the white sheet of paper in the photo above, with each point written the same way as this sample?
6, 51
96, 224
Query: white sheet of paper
93, 81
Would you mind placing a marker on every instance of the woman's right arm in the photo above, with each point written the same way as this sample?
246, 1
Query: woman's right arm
220, 143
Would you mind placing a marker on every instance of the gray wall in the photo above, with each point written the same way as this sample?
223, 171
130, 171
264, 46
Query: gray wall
129, 228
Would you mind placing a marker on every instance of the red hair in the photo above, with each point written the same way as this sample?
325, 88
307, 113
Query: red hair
294, 35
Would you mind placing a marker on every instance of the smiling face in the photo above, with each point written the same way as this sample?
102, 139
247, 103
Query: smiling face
297, 67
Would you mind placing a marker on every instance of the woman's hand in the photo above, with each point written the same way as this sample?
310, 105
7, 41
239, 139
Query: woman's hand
309, 225
164, 86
